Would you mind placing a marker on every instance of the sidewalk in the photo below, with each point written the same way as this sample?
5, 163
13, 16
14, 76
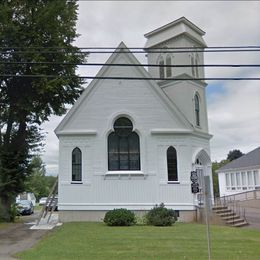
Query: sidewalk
47, 223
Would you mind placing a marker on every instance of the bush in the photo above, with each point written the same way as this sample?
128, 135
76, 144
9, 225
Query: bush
13, 213
120, 217
161, 216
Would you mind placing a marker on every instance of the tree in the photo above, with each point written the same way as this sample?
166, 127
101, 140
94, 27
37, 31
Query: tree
234, 154
215, 166
37, 182
37, 32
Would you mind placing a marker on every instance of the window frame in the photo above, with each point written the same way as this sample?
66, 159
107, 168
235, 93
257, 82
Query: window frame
161, 67
133, 165
175, 165
76, 164
168, 70
197, 109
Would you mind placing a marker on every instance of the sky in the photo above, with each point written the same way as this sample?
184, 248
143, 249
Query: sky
233, 106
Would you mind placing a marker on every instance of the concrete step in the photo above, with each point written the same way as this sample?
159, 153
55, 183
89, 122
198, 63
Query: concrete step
222, 211
241, 224
215, 208
230, 217
227, 214
235, 221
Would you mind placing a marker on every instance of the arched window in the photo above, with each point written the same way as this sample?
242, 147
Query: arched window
172, 164
76, 165
123, 147
168, 69
161, 68
192, 65
197, 68
197, 109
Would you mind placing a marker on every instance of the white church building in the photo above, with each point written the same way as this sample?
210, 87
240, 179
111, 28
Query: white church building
133, 143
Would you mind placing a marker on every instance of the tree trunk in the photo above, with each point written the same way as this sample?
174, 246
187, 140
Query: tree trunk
5, 208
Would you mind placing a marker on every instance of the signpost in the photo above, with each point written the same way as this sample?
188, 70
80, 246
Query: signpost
194, 182
194, 176
195, 187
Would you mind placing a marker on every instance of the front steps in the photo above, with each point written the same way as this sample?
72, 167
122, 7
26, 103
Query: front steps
229, 217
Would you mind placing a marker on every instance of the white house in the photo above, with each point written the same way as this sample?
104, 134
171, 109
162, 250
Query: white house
240, 175
133, 143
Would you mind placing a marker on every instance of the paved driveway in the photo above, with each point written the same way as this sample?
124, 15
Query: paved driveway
253, 217
19, 237
252, 212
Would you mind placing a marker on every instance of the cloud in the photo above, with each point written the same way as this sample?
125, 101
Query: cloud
50, 156
234, 118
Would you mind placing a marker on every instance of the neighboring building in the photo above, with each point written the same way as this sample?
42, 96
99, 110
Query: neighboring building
133, 143
240, 175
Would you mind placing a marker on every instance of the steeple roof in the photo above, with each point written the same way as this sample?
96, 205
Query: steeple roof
174, 29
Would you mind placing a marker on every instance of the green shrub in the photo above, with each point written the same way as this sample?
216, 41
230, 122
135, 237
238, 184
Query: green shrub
13, 213
161, 216
120, 217
11, 216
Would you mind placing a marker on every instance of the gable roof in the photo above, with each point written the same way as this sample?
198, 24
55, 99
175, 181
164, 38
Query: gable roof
123, 50
250, 159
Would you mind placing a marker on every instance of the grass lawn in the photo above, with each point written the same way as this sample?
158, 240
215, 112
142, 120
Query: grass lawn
85, 240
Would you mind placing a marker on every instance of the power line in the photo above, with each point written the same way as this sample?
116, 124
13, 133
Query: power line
135, 48
107, 50
127, 78
125, 65
125, 51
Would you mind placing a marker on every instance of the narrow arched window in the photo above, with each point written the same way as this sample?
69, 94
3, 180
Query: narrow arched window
168, 69
192, 65
172, 164
123, 147
76, 165
197, 66
197, 109
161, 68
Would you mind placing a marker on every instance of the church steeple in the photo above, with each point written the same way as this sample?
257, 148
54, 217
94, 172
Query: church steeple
178, 34
180, 43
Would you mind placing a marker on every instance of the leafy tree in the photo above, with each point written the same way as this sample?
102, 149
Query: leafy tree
215, 166
50, 180
38, 182
37, 31
234, 154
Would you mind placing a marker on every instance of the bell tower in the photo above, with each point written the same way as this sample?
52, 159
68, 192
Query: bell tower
180, 43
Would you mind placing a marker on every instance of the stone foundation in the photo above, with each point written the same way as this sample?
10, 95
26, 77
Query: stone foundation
98, 215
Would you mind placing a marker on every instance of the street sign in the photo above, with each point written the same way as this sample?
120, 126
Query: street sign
194, 184
195, 190
194, 176
195, 187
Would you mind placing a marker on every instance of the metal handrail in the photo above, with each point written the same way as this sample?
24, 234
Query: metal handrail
231, 203
244, 195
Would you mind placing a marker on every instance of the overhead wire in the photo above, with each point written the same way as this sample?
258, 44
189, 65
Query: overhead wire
106, 50
124, 64
17, 50
129, 51
127, 78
